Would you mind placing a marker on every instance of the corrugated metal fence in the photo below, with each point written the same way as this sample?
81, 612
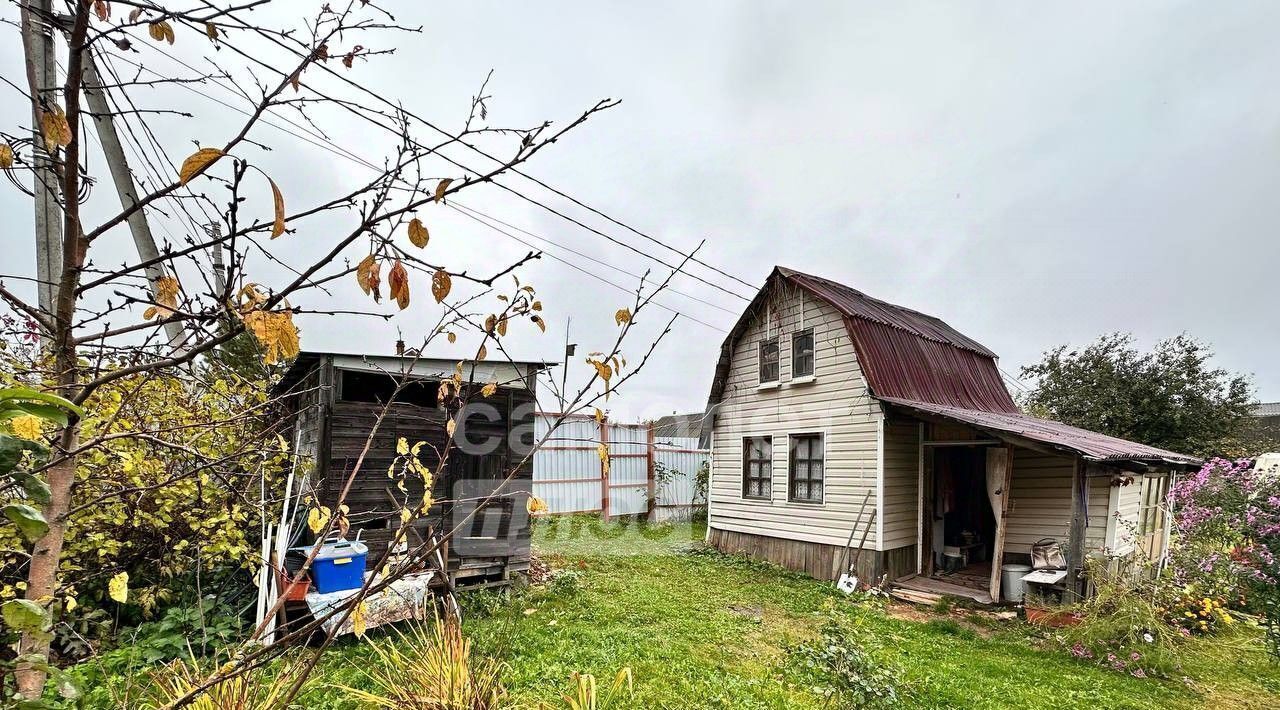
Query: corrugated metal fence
646, 475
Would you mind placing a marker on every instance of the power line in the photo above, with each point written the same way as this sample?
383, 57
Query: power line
624, 289
461, 207
324, 143
466, 168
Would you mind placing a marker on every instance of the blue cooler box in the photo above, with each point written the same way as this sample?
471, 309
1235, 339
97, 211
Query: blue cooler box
338, 566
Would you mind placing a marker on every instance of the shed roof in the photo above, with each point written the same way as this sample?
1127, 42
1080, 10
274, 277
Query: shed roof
417, 365
1267, 409
1056, 435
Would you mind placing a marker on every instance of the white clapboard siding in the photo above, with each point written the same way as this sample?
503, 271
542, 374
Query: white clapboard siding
1040, 502
901, 525
835, 404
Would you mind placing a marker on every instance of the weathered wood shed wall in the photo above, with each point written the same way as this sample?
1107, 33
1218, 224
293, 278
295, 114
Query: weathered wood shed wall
335, 401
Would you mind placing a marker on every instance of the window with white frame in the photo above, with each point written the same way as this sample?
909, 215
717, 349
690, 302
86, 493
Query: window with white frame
769, 360
757, 466
802, 353
806, 468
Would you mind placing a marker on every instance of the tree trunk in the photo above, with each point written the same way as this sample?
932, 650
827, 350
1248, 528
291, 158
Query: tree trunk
42, 576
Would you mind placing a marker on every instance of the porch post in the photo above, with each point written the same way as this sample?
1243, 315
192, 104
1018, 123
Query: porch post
999, 468
1079, 519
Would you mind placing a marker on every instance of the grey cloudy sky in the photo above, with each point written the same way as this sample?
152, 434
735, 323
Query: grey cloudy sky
1033, 174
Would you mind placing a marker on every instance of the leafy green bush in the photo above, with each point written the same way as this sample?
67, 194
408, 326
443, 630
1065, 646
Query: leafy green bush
840, 667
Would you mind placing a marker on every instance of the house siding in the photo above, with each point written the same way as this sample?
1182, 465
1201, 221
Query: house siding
836, 403
901, 509
1040, 503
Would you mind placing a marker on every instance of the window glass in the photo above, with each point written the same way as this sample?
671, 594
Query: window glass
769, 359
757, 466
802, 353
806, 468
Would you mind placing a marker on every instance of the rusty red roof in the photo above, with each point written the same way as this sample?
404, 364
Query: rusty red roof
902, 353
918, 362
1089, 444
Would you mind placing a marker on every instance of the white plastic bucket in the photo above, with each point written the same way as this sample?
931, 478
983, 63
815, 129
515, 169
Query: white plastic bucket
1012, 588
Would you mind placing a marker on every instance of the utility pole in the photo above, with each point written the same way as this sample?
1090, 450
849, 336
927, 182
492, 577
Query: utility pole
113, 151
39, 49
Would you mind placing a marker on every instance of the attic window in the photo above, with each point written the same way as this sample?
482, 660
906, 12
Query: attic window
802, 353
769, 359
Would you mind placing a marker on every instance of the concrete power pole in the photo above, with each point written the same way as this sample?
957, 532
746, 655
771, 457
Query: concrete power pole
39, 48
113, 151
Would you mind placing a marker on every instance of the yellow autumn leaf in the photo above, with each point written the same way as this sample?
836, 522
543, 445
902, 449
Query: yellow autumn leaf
490, 323
402, 446
276, 332
482, 353
161, 31
489, 389
197, 162
537, 305
166, 297
405, 514
502, 326
6, 156
452, 336
277, 227
54, 127
27, 427
441, 284
357, 619
211, 30
369, 278
537, 320
442, 187
317, 518
118, 587
602, 450
451, 427
535, 505
418, 234
599, 415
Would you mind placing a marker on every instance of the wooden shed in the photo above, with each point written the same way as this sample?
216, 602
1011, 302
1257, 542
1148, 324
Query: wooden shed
333, 401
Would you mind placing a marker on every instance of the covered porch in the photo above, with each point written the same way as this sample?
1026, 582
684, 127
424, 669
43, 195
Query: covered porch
991, 485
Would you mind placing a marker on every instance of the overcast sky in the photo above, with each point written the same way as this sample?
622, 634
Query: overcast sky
1033, 174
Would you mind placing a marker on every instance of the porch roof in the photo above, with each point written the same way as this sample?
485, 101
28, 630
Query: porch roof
1016, 425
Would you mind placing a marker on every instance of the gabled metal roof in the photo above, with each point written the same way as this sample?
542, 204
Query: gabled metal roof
920, 364
902, 353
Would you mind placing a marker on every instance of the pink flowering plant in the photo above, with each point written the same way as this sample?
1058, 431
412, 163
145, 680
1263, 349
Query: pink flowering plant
1226, 546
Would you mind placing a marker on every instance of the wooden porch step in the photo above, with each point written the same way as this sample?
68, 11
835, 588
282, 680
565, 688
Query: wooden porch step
937, 589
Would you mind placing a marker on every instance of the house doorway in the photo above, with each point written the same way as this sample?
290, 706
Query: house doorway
961, 523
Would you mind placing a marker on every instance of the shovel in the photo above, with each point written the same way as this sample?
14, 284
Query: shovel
848, 582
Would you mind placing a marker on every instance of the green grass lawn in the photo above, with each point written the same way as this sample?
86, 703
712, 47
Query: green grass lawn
709, 631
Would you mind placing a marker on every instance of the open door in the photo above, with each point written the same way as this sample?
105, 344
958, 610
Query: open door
999, 478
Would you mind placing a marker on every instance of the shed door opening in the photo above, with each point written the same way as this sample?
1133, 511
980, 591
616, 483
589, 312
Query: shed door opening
963, 525
378, 388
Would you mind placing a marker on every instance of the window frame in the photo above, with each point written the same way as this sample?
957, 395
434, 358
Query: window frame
809, 479
747, 461
813, 354
777, 360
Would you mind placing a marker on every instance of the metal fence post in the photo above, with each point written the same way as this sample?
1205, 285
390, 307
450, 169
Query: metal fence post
651, 479
604, 470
